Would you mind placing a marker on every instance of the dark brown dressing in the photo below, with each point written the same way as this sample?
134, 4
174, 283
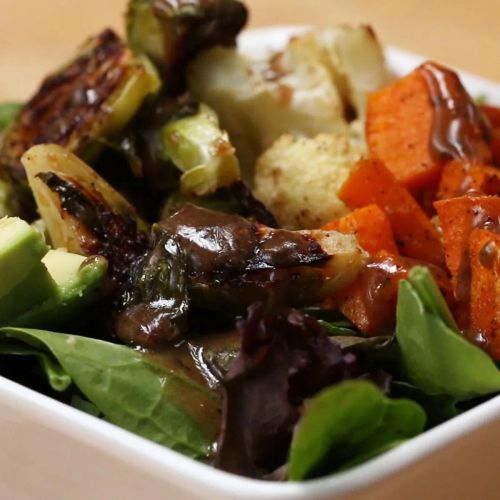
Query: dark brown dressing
202, 360
488, 255
459, 127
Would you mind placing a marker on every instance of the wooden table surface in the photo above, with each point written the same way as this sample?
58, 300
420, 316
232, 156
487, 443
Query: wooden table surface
37, 35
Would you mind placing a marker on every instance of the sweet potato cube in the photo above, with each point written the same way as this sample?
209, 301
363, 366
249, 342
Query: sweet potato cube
484, 248
370, 225
458, 218
372, 183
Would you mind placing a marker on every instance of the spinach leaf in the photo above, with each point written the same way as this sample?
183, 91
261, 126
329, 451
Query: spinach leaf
346, 423
58, 379
435, 357
438, 408
124, 386
8, 113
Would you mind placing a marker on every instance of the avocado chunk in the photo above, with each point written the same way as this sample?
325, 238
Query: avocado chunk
30, 292
21, 250
78, 281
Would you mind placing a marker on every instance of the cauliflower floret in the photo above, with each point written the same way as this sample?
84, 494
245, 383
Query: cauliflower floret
298, 178
304, 90
357, 62
257, 102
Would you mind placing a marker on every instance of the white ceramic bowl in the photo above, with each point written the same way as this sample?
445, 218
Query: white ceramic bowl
51, 451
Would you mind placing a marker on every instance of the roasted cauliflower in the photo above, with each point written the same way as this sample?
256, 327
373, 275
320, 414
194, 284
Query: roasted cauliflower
317, 84
298, 178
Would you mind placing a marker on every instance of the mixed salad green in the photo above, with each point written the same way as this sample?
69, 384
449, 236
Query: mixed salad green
225, 256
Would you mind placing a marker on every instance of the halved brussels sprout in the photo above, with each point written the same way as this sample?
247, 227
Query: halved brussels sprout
232, 262
200, 149
82, 212
93, 96
205, 260
171, 32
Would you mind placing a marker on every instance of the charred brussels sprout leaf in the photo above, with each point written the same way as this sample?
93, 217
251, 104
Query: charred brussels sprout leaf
82, 212
155, 301
93, 96
235, 199
171, 32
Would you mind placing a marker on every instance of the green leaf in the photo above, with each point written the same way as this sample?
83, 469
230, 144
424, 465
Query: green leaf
8, 114
436, 358
126, 387
348, 421
58, 379
338, 328
438, 408
432, 298
83, 405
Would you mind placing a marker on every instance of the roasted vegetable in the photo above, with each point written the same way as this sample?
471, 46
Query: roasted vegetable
93, 96
316, 85
370, 302
461, 178
370, 225
423, 120
226, 252
371, 182
458, 218
200, 149
356, 61
256, 107
235, 199
82, 212
484, 250
298, 178
155, 301
228, 263
171, 32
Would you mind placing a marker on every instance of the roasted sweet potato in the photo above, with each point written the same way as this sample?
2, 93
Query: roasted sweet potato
423, 120
370, 302
370, 225
398, 126
416, 237
458, 218
460, 178
495, 145
484, 248
493, 115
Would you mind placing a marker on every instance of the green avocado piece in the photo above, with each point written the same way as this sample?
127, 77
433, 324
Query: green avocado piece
78, 281
30, 292
21, 250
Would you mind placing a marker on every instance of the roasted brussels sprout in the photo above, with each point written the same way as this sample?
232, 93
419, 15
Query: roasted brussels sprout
82, 212
155, 299
226, 263
93, 96
202, 151
171, 32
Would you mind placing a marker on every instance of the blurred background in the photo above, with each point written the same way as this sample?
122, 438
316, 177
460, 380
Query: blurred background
36, 35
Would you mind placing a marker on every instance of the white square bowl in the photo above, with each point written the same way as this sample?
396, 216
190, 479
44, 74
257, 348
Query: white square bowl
51, 451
